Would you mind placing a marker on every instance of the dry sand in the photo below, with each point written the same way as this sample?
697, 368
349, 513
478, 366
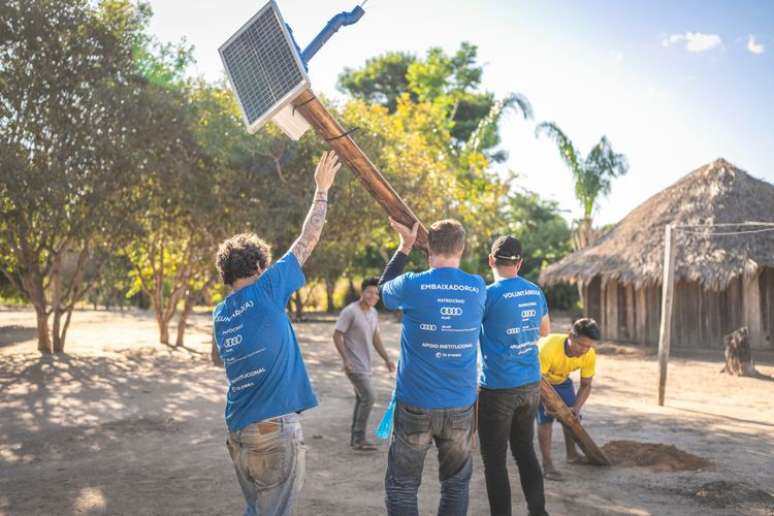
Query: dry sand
122, 425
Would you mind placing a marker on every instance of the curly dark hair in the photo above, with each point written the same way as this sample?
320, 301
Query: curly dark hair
586, 327
240, 256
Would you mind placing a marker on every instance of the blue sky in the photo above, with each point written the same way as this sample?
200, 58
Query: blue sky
673, 85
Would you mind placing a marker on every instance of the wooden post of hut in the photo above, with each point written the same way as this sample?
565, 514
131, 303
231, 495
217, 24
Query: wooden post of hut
751, 303
668, 288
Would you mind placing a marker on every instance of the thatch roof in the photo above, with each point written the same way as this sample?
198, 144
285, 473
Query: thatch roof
633, 251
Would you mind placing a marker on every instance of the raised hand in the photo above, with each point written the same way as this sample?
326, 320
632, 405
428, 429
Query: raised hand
326, 171
407, 235
315, 219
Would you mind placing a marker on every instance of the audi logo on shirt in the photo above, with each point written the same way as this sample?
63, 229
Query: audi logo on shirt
513, 331
232, 341
528, 313
451, 310
428, 327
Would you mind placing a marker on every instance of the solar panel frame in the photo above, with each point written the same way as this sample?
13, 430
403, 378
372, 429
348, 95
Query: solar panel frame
296, 62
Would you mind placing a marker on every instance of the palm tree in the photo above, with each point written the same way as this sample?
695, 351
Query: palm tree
592, 175
485, 135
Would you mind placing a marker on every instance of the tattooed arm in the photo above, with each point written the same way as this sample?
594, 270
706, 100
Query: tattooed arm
315, 219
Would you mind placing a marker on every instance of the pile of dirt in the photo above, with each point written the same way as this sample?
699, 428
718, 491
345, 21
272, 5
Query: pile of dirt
660, 457
723, 494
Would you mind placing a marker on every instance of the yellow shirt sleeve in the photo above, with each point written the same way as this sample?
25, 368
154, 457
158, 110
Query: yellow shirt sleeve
589, 364
543, 362
547, 346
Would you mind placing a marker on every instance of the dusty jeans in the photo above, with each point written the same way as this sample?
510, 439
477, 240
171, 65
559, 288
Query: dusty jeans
364, 402
269, 466
414, 431
508, 415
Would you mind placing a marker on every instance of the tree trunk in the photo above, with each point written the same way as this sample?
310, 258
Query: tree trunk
583, 234
163, 330
157, 303
44, 338
32, 284
68, 317
330, 286
181, 321
739, 360
352, 294
299, 302
56, 332
56, 303
581, 238
59, 331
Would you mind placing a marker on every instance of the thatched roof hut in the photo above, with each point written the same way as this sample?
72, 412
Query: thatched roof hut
711, 268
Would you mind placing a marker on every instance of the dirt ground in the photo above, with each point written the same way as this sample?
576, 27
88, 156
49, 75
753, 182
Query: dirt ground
122, 425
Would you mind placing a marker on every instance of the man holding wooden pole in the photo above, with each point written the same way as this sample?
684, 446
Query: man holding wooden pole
560, 355
268, 385
515, 318
436, 383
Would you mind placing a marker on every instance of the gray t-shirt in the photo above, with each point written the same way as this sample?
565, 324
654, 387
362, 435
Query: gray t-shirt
358, 328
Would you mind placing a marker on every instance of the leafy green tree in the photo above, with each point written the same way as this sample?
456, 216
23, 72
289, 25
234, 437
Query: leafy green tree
450, 81
113, 282
538, 223
179, 212
189, 199
72, 114
412, 147
382, 80
592, 175
8, 293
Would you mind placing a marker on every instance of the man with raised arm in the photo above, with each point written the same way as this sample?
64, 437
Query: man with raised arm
268, 382
435, 389
515, 318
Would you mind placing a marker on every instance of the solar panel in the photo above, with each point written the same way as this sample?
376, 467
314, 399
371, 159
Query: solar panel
263, 66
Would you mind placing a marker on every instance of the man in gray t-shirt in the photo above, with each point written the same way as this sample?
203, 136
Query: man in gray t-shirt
357, 330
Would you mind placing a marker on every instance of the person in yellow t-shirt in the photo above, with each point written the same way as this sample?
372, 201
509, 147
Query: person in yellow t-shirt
561, 354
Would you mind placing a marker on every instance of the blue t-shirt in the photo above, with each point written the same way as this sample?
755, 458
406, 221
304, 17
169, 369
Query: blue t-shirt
510, 333
264, 367
442, 310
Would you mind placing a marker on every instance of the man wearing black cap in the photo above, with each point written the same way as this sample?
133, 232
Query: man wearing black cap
515, 317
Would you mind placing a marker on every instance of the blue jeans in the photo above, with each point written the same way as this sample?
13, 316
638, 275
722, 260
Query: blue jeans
269, 465
415, 430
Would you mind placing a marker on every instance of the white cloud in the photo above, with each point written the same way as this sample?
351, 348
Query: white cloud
753, 46
694, 41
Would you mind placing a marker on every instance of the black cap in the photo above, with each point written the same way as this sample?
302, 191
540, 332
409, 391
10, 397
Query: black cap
507, 248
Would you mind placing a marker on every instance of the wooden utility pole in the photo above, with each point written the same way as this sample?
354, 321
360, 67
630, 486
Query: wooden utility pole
667, 300
310, 107
556, 406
